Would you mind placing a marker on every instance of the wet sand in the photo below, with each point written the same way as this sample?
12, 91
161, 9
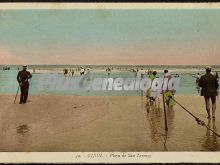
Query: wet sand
108, 123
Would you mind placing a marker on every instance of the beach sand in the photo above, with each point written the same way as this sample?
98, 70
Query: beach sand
103, 123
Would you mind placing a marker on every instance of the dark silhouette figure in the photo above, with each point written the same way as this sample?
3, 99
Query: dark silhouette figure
209, 85
22, 79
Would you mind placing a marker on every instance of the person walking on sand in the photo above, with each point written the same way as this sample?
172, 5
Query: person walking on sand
72, 72
22, 79
65, 72
209, 85
82, 71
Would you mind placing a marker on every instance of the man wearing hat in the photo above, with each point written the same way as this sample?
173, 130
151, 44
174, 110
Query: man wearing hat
209, 85
22, 79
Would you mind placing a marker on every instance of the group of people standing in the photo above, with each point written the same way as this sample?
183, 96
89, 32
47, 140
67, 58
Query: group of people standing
71, 72
67, 72
165, 91
152, 74
208, 83
6, 68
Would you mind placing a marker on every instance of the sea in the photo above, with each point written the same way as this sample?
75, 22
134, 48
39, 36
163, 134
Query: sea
187, 85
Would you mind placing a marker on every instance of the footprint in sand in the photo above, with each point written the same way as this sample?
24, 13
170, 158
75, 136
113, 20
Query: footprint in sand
78, 105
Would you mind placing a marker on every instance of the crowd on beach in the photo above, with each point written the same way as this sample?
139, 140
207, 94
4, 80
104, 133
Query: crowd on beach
6, 68
208, 83
83, 70
152, 74
71, 72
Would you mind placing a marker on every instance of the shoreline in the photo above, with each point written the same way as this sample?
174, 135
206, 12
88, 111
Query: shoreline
128, 69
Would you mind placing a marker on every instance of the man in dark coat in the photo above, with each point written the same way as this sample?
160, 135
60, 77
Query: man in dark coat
22, 79
209, 85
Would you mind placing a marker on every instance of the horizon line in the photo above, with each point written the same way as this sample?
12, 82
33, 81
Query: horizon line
121, 64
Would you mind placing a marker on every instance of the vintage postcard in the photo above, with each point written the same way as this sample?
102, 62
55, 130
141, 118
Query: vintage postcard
109, 82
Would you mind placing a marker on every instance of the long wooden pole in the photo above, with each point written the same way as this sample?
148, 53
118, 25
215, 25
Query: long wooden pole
164, 109
16, 94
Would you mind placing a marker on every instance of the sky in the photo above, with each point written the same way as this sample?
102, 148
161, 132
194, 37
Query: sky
110, 36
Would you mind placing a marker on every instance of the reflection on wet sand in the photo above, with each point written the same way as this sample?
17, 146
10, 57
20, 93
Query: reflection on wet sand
23, 136
155, 116
22, 129
209, 142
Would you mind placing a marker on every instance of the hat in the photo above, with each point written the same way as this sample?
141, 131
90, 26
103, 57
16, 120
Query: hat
208, 67
166, 71
24, 65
